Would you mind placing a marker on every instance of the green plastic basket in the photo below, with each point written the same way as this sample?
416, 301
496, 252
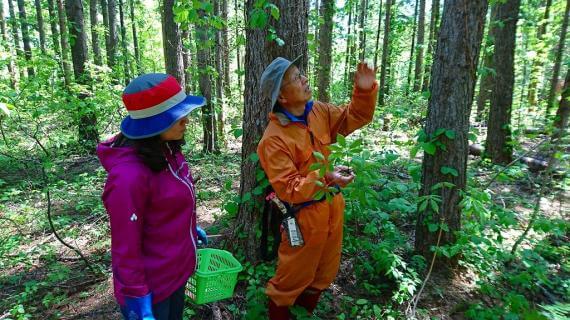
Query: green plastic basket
215, 277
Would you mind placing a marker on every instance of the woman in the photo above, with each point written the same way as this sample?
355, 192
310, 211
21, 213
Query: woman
150, 198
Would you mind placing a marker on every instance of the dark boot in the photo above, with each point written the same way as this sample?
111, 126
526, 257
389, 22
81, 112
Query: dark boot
278, 313
309, 299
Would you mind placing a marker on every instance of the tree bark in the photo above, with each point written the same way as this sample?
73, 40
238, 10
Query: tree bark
125, 52
15, 35
433, 31
348, 42
41, 30
135, 38
291, 27
187, 58
238, 46
498, 144
94, 34
64, 43
10, 65
378, 29
88, 135
420, 47
558, 59
219, 79
226, 55
105, 14
384, 69
412, 48
172, 44
538, 61
487, 76
25, 37
452, 87
362, 36
325, 47
561, 119
113, 36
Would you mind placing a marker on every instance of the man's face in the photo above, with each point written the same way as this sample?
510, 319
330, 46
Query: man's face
294, 88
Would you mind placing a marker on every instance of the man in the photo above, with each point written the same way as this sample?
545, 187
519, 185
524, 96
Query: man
299, 126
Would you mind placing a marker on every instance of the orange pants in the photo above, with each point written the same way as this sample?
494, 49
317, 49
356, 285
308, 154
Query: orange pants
315, 264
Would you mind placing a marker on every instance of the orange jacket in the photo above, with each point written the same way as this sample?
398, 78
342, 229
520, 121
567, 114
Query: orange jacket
286, 148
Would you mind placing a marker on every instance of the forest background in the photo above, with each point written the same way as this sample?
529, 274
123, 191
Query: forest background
460, 205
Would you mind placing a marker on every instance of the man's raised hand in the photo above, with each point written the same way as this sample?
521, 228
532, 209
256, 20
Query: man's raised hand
365, 76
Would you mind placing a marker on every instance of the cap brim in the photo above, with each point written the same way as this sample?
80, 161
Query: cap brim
152, 126
280, 81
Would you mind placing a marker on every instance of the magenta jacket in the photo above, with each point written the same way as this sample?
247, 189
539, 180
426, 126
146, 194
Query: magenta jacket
153, 223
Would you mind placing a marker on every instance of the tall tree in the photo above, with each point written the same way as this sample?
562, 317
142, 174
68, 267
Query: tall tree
172, 43
219, 65
135, 37
420, 46
26, 36
563, 112
226, 53
452, 86
41, 30
53, 19
105, 14
487, 73
6, 44
378, 28
362, 35
538, 61
433, 31
187, 57
259, 53
384, 68
412, 47
15, 35
347, 61
325, 47
558, 59
113, 36
94, 34
125, 53
64, 43
87, 119
498, 144
238, 45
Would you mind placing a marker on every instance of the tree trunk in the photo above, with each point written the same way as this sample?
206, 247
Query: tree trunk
26, 37
452, 87
498, 144
348, 41
238, 46
113, 37
15, 35
379, 28
10, 65
362, 37
538, 61
88, 136
412, 48
226, 56
172, 44
486, 79
353, 46
53, 27
94, 34
420, 46
64, 43
558, 60
105, 14
135, 38
125, 53
433, 31
325, 47
291, 26
187, 59
561, 119
219, 65
41, 30
384, 69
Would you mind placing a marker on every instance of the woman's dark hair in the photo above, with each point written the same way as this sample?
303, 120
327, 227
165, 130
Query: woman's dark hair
150, 150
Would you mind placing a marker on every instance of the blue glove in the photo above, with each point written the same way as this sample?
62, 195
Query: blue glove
139, 308
202, 236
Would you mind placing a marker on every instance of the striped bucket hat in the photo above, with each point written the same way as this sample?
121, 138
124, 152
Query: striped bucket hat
155, 102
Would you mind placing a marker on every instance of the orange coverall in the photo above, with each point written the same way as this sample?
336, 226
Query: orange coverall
286, 153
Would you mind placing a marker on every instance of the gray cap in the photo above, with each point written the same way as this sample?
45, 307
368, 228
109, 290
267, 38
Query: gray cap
272, 77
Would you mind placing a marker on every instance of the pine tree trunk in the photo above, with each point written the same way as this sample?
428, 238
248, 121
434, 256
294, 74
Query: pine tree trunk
125, 53
259, 53
88, 135
558, 60
135, 39
105, 14
64, 43
379, 28
538, 61
172, 44
94, 34
10, 65
452, 87
25, 37
362, 40
41, 30
384, 68
486, 80
420, 47
498, 144
113, 36
412, 48
433, 32
325, 49
15, 35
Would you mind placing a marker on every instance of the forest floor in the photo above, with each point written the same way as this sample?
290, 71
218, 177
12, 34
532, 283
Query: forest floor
41, 278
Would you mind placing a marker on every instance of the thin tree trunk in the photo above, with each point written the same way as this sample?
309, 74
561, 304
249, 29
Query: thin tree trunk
10, 65
135, 38
563, 112
412, 48
15, 35
486, 80
125, 53
113, 37
41, 30
538, 61
379, 28
238, 46
105, 14
420, 47
64, 43
94, 34
26, 37
172, 44
558, 60
498, 144
219, 80
348, 41
452, 87
186, 59
362, 40
433, 31
352, 56
53, 27
384, 69
325, 47
226, 56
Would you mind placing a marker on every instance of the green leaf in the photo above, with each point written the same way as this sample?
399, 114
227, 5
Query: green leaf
439, 132
361, 301
253, 157
450, 134
246, 197
274, 10
319, 155
237, 133
429, 147
434, 206
259, 175
258, 19
449, 170
432, 227
341, 140
257, 191
231, 208
316, 166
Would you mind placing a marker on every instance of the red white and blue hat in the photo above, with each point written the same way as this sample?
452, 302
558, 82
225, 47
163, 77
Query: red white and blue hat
155, 102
